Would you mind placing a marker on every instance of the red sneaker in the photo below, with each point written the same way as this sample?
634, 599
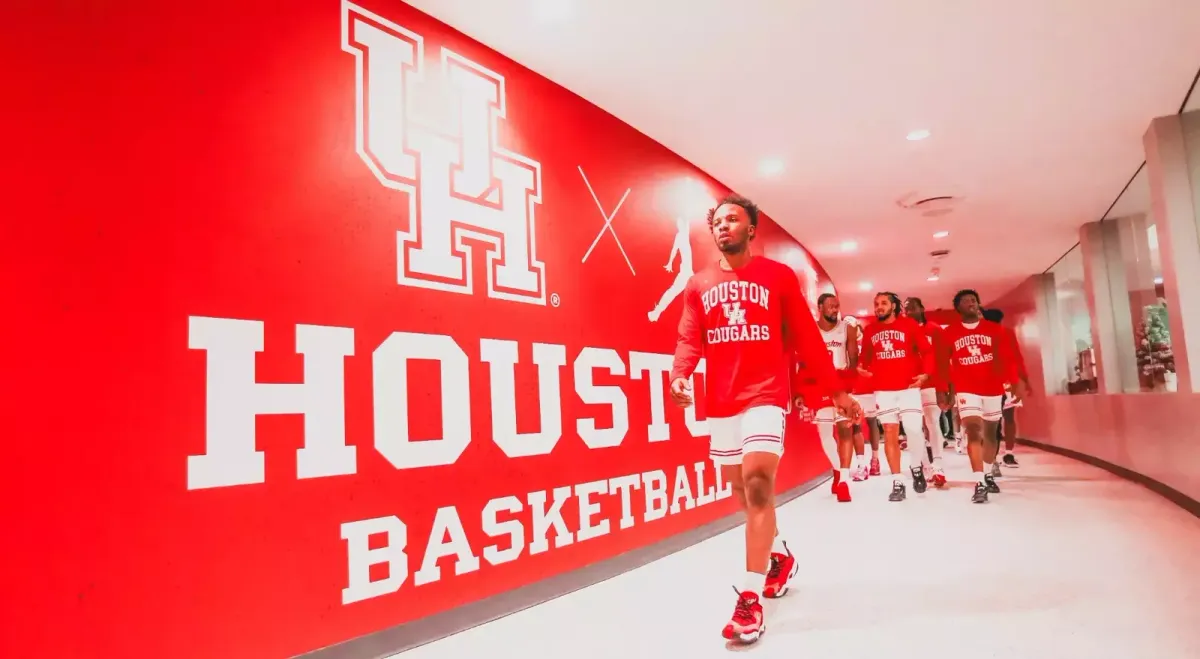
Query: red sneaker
837, 478
783, 568
874, 466
843, 492
939, 479
747, 624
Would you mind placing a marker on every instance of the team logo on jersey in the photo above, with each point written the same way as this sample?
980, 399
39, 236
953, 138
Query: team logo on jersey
886, 346
460, 183
974, 351
734, 313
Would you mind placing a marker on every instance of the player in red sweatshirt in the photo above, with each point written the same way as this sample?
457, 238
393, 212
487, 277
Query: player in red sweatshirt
897, 357
1008, 427
935, 395
981, 365
746, 317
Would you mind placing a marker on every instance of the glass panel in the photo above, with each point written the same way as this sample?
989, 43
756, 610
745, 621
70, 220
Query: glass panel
1076, 330
1147, 308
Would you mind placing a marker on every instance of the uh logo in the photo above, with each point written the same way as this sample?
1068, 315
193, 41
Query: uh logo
434, 136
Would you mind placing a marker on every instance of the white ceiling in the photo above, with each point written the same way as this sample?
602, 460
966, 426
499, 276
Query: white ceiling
1036, 110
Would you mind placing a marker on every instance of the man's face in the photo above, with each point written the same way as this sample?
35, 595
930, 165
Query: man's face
884, 307
731, 229
914, 308
968, 306
831, 309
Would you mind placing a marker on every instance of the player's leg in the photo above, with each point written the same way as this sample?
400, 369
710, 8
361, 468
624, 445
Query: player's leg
870, 409
762, 445
829, 445
913, 422
992, 414
861, 460
1010, 436
889, 417
970, 411
833, 428
933, 429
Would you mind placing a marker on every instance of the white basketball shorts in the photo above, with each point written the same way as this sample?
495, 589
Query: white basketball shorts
929, 397
867, 403
986, 407
893, 404
755, 430
829, 415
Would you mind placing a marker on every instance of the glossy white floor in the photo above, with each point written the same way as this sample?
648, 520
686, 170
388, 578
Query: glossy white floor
1068, 561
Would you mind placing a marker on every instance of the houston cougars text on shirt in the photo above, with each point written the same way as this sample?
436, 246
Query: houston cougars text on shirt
747, 324
981, 358
895, 354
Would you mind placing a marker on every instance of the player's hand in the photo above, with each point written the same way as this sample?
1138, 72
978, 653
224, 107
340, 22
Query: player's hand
667, 267
919, 381
681, 392
944, 401
848, 407
1019, 390
805, 413
863, 372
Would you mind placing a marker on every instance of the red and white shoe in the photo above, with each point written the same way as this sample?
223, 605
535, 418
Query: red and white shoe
783, 568
837, 478
859, 474
747, 624
874, 466
843, 492
938, 479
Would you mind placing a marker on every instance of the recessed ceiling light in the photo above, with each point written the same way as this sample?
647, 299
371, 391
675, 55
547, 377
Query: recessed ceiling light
770, 167
1158, 281
917, 135
862, 312
865, 286
932, 278
941, 234
849, 246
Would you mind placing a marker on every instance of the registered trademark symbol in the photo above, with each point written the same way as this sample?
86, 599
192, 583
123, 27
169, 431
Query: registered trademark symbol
554, 300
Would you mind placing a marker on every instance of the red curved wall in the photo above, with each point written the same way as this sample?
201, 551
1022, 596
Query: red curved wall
306, 345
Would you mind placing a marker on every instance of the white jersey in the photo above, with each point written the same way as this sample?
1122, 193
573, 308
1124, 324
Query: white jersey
835, 342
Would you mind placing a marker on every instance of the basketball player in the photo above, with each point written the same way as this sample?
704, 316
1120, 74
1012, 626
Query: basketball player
1008, 426
841, 340
935, 396
864, 394
981, 365
745, 315
896, 354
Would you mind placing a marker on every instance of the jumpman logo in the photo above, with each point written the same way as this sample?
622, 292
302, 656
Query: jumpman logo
681, 247
734, 313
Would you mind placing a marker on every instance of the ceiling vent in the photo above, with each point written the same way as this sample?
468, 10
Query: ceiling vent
939, 254
929, 205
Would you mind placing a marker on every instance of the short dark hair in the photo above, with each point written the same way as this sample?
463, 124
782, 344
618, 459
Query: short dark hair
963, 293
750, 207
994, 315
917, 300
824, 296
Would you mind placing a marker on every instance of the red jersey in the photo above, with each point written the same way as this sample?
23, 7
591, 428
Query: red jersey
981, 362
895, 354
749, 324
936, 338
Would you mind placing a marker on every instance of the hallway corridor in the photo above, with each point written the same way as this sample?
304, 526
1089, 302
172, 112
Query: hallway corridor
1068, 561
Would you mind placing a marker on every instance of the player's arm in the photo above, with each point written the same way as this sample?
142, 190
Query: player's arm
689, 346
866, 358
851, 347
923, 348
1006, 355
808, 344
1017, 357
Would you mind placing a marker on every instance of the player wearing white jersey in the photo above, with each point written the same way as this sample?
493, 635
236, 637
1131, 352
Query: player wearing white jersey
841, 339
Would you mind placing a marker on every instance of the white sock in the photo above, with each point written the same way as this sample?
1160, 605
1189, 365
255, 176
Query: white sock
861, 461
754, 582
979, 477
845, 474
987, 467
777, 546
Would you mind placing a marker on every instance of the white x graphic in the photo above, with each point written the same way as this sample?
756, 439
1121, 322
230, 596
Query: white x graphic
608, 218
